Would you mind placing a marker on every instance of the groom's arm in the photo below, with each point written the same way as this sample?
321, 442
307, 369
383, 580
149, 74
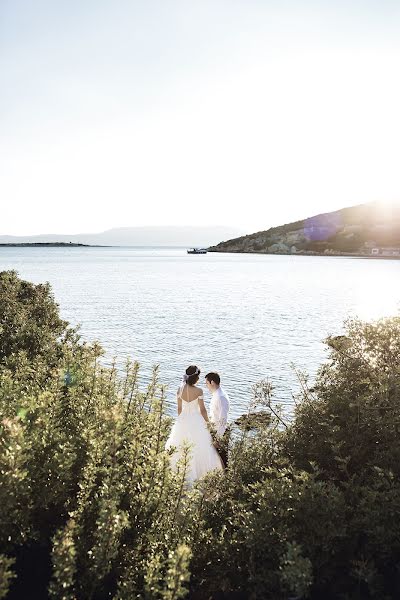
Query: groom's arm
221, 415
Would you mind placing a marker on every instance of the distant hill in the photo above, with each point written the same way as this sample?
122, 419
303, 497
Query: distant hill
362, 230
137, 236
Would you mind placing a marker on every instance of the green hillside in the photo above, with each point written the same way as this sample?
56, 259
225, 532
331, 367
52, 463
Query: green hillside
363, 230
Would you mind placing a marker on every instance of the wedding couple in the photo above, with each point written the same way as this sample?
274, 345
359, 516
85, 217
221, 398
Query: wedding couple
191, 423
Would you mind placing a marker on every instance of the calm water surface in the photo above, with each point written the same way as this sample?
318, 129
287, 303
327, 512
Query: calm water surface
246, 316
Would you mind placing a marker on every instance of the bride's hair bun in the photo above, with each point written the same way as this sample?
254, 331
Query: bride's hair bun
192, 374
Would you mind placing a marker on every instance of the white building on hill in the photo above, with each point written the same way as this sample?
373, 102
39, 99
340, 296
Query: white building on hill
385, 251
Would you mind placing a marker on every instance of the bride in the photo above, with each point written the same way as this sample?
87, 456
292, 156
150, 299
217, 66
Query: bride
190, 426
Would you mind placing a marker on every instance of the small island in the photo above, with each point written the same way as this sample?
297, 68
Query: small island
48, 244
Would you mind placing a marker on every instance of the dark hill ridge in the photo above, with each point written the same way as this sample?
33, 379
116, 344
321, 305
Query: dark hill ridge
47, 245
366, 229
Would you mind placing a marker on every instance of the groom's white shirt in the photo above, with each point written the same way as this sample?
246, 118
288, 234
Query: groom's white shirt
219, 408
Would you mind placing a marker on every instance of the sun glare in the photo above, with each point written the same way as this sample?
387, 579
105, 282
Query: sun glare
388, 205
378, 301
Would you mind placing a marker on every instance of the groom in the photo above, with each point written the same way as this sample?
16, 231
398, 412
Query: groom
219, 408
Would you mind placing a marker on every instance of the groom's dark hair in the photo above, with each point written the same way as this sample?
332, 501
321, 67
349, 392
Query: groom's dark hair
213, 377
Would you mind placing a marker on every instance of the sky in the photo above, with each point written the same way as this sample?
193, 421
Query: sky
244, 113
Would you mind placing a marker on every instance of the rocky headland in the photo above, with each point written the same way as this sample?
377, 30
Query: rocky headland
365, 230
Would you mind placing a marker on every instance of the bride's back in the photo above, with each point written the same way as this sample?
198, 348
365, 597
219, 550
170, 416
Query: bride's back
189, 393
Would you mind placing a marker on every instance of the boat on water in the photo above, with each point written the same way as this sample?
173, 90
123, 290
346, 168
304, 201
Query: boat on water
197, 251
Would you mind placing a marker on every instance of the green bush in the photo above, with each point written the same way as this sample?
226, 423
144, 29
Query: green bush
90, 509
30, 325
346, 428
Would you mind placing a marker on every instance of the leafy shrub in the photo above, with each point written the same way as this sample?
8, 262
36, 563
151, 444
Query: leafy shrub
90, 508
88, 503
29, 322
347, 428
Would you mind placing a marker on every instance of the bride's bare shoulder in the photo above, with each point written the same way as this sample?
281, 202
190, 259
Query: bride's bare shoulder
199, 391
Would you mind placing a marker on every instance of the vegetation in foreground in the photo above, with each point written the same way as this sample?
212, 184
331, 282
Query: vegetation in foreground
89, 508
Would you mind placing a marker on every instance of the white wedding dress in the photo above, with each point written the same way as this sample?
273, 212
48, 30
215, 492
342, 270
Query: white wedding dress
191, 427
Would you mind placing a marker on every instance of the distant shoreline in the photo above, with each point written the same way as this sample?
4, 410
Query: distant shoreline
209, 250
322, 254
51, 244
